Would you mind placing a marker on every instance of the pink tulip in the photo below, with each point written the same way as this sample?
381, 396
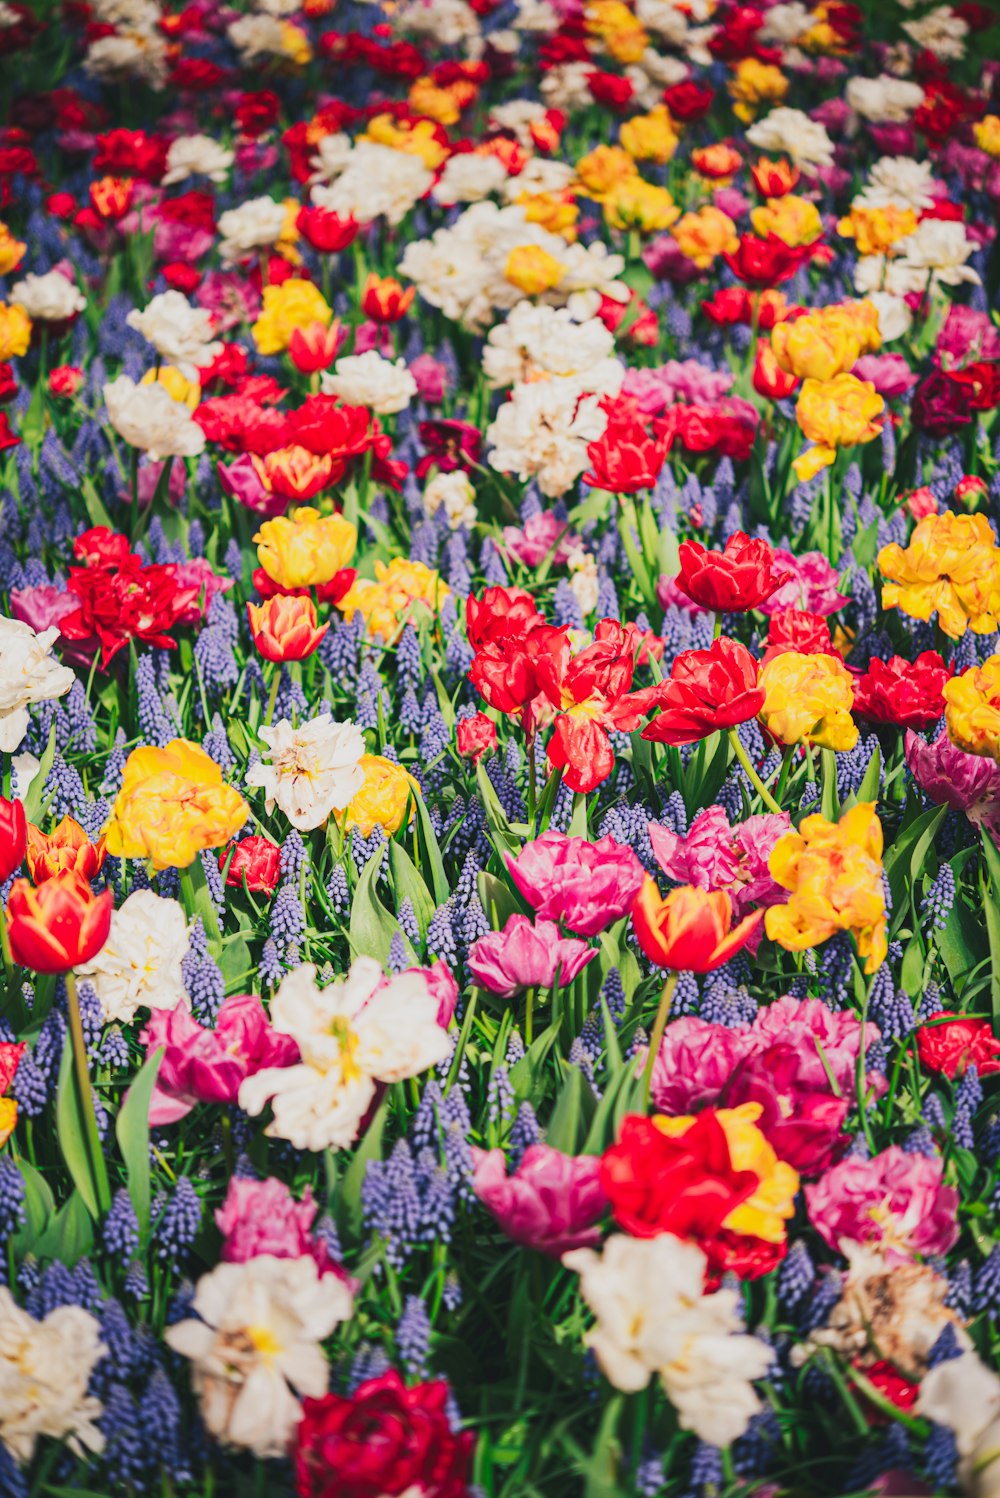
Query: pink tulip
694, 1063
443, 988
431, 377
811, 584
208, 1066
586, 886
551, 1202
889, 373
523, 955
532, 542
969, 783
242, 480
197, 573
715, 855
263, 1217
894, 1199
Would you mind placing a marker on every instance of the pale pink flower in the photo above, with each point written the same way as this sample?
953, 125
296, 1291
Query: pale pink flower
969, 783
896, 1200
534, 540
677, 380
197, 573
812, 584
889, 373
715, 855
523, 955
431, 377
584, 885
552, 1202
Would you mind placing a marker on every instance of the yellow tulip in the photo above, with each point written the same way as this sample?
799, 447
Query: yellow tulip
835, 413
808, 700
533, 270
306, 549
951, 567
173, 803
398, 590
383, 798
294, 304
972, 709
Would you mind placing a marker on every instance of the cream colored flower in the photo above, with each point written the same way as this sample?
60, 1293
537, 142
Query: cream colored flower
358, 1031
197, 156
376, 182
468, 178
941, 31
254, 225
139, 965
789, 132
28, 673
181, 334
148, 418
898, 180
938, 251
884, 99
543, 431
256, 1348
49, 298
45, 1367
311, 770
385, 386
653, 1317
453, 493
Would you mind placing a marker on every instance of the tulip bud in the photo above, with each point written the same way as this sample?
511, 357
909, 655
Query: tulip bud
315, 346
971, 490
384, 300
13, 836
256, 860
284, 628
476, 736
59, 925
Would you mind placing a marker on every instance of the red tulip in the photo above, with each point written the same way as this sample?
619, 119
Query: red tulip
284, 628
13, 836
738, 578
256, 860
707, 690
689, 931
60, 924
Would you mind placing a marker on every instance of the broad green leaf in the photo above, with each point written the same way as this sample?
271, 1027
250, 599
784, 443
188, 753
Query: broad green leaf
504, 837
372, 927
348, 1203
498, 900
69, 1234
33, 801
71, 1129
992, 909
39, 1205
431, 850
197, 901
573, 1112
409, 884
132, 1132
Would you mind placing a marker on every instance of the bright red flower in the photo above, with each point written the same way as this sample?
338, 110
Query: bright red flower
13, 836
734, 304
738, 578
625, 459
610, 89
728, 428
7, 437
332, 430
59, 925
499, 612
254, 859
381, 1442
131, 153
296, 473
688, 101
706, 690
887, 1379
799, 630
65, 380
686, 1185
119, 599
592, 696
476, 736
325, 231
384, 299
256, 112
953, 1042
769, 379
773, 179
906, 693
765, 262
239, 425
315, 347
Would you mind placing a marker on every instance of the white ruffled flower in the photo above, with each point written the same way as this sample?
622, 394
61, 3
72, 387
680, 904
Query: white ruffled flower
540, 174
139, 965
197, 156
257, 1346
543, 431
964, 1395
147, 417
258, 37
653, 1317
941, 31
938, 249
181, 334
383, 385
28, 673
665, 18
895, 278
254, 225
128, 55
358, 1031
453, 493
332, 155
448, 23
884, 99
468, 178
49, 298
45, 1367
899, 181
309, 771
567, 86
544, 341
789, 132
785, 24
376, 182
894, 316
583, 581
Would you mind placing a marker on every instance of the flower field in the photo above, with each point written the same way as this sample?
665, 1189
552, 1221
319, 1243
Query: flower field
500, 749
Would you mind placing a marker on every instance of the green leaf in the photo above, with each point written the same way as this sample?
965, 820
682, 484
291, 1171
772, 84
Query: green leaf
503, 836
498, 900
39, 1205
869, 788
600, 1472
992, 908
69, 1234
197, 901
132, 1132
572, 1114
524, 1074
908, 852
93, 504
431, 850
372, 927
408, 884
829, 805
370, 1148
71, 1130
33, 800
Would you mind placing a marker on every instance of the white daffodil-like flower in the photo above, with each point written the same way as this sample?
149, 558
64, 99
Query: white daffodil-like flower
28, 673
362, 1030
181, 334
899, 181
256, 1347
654, 1318
453, 493
884, 99
789, 132
543, 432
45, 1367
311, 770
140, 963
375, 182
537, 342
941, 31
937, 251
49, 298
147, 417
253, 225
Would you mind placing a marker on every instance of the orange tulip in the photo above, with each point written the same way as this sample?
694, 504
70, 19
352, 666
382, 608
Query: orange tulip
315, 346
296, 473
773, 179
67, 847
60, 924
112, 197
284, 628
384, 300
689, 931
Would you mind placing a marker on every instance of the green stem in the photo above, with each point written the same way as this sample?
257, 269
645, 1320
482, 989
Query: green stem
272, 699
532, 779
8, 960
529, 1017
134, 486
92, 1138
758, 784
659, 1025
